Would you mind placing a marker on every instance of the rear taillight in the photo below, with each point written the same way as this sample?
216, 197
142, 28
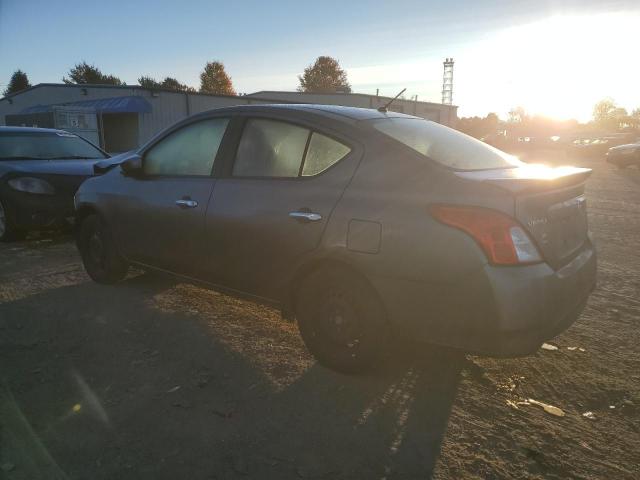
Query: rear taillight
503, 240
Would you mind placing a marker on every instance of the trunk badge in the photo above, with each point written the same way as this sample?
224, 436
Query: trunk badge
534, 222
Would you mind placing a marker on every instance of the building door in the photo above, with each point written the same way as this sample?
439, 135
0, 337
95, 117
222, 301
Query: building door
120, 132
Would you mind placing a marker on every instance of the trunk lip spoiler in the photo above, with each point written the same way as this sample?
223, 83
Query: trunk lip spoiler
528, 177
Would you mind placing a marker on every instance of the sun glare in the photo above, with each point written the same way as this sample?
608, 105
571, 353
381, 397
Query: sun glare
558, 67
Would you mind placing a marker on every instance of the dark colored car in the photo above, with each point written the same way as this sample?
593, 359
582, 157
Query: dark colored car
40, 171
361, 224
624, 155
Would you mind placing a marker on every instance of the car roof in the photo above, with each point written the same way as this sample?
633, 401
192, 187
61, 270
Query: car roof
4, 129
330, 111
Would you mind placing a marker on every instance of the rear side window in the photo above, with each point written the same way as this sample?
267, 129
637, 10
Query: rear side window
270, 148
445, 145
322, 153
188, 151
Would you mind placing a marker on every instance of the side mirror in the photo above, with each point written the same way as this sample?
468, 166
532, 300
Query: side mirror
132, 166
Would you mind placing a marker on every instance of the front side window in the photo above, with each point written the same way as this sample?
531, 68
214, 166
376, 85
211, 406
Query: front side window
445, 145
270, 148
188, 151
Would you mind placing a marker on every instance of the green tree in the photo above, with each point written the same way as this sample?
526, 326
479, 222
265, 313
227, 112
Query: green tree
19, 81
619, 112
518, 115
83, 73
491, 122
479, 127
148, 82
214, 80
607, 115
603, 111
324, 76
169, 83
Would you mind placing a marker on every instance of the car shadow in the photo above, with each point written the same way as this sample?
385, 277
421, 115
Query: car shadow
387, 424
142, 381
629, 173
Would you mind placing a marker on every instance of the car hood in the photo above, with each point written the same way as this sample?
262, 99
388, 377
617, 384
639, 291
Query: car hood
50, 167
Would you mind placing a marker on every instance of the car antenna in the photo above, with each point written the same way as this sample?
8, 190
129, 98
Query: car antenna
383, 109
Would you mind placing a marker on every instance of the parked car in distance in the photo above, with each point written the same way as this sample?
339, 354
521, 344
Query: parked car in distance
597, 146
624, 155
40, 171
361, 224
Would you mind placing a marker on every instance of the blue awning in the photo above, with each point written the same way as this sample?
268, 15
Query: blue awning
37, 109
131, 104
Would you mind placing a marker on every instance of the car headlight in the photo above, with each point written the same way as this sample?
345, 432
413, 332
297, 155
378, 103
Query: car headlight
32, 185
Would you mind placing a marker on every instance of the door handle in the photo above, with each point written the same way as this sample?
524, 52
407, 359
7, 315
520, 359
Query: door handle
184, 203
306, 216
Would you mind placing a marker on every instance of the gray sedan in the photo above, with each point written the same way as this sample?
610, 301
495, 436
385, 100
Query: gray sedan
362, 225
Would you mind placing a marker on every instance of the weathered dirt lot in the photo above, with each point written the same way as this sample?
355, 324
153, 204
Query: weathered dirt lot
153, 379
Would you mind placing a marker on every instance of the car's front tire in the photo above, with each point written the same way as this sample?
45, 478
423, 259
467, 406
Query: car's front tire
342, 320
99, 254
8, 231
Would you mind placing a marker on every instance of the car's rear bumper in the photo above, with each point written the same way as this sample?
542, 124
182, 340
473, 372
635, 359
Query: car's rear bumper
497, 311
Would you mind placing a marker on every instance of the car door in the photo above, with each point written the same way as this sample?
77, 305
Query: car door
159, 214
272, 207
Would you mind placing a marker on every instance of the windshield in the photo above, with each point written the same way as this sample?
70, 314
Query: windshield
45, 146
446, 146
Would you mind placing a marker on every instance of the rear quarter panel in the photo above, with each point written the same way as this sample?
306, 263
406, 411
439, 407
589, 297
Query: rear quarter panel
428, 275
394, 188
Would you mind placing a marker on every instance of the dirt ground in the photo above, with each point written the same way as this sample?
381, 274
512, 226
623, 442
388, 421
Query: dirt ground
154, 379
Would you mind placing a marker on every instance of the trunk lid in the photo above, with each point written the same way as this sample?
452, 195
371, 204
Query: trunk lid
548, 202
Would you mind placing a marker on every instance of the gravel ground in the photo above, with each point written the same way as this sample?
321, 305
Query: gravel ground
156, 379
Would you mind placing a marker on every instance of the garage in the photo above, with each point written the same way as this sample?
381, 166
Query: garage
113, 123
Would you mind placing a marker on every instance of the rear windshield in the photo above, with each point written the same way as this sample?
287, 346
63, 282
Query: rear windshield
445, 145
45, 146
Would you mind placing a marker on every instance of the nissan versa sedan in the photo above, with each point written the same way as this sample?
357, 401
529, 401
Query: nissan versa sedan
363, 225
40, 171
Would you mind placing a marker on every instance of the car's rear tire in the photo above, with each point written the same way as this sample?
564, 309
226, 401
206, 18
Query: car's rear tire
342, 320
8, 231
99, 254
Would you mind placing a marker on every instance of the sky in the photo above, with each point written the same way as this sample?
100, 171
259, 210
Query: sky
554, 58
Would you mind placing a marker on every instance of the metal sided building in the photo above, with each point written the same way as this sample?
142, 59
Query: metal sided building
124, 117
121, 118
